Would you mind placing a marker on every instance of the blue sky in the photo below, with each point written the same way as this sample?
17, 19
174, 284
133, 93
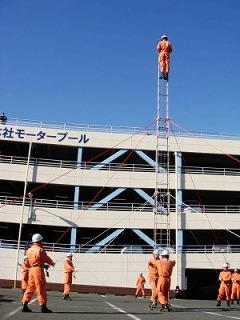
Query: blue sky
95, 61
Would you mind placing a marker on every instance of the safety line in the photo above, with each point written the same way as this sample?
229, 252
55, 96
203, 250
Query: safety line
89, 161
85, 209
191, 231
79, 166
211, 223
110, 178
211, 145
206, 216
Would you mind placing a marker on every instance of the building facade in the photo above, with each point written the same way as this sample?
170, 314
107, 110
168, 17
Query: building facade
90, 190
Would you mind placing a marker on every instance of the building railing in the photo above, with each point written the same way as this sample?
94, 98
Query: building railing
110, 206
81, 205
115, 206
79, 127
115, 129
75, 165
117, 166
121, 249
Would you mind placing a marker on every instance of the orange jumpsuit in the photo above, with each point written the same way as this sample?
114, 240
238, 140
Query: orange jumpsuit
153, 278
25, 274
68, 271
235, 294
225, 285
37, 256
140, 285
164, 268
164, 48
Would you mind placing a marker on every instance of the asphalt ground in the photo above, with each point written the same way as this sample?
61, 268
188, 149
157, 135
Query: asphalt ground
111, 307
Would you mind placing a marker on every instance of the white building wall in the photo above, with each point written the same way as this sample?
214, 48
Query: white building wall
144, 141
116, 219
117, 270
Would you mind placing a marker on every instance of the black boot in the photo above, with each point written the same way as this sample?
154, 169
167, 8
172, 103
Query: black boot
68, 298
25, 307
65, 297
237, 301
164, 308
44, 309
169, 308
232, 302
228, 303
218, 303
165, 77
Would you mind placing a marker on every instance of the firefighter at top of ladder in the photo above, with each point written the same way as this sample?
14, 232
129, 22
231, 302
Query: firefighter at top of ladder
164, 48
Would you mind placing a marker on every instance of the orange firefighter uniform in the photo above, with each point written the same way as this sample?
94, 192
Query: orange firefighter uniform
164, 268
68, 274
140, 285
25, 273
164, 49
225, 277
153, 279
235, 293
37, 257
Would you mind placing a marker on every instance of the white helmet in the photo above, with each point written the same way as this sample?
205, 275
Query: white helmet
164, 37
25, 257
37, 237
165, 253
225, 265
69, 254
155, 252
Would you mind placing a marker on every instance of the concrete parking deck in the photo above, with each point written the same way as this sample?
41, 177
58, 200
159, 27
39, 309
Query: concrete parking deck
111, 307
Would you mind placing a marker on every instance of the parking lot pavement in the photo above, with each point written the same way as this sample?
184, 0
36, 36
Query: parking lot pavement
111, 307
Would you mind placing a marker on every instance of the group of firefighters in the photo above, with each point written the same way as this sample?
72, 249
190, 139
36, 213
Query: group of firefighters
34, 271
160, 266
229, 285
159, 275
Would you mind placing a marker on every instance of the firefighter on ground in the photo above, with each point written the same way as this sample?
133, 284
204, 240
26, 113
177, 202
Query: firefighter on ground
68, 275
153, 278
37, 258
225, 277
164, 49
164, 267
25, 273
235, 293
140, 285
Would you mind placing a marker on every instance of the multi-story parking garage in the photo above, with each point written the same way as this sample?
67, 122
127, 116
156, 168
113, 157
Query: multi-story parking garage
90, 190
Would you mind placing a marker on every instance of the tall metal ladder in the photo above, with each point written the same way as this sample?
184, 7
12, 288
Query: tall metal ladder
161, 209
